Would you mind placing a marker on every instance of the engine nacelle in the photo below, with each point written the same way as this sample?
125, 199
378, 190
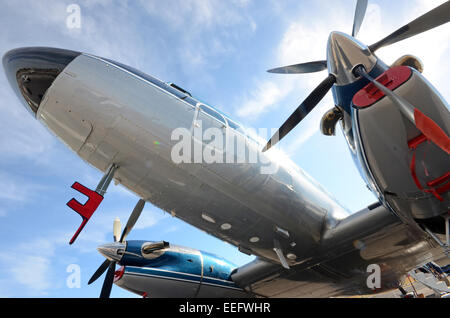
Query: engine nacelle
406, 169
159, 269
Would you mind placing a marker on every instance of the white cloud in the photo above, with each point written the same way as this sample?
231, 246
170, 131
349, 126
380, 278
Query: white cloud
30, 264
21, 134
206, 31
265, 96
32, 271
302, 41
268, 94
5, 292
196, 14
11, 191
15, 189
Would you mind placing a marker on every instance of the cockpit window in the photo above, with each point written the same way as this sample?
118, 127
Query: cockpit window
180, 93
164, 86
235, 126
211, 112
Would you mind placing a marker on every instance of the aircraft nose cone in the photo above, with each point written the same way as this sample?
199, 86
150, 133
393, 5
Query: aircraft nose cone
31, 71
343, 54
112, 251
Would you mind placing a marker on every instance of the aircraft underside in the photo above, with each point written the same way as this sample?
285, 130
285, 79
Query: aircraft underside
126, 124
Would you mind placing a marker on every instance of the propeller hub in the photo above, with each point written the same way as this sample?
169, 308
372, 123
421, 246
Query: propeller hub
344, 53
112, 251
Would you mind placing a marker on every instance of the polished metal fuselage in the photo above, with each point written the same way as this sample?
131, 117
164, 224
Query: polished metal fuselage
107, 114
382, 134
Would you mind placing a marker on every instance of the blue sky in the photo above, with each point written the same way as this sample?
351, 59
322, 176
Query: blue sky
219, 51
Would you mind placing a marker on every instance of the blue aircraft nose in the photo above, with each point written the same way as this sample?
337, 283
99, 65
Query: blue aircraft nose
31, 71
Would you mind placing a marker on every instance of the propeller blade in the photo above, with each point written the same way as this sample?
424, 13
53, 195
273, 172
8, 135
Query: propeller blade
132, 219
309, 67
302, 111
109, 280
99, 271
428, 21
117, 228
425, 124
360, 12
432, 131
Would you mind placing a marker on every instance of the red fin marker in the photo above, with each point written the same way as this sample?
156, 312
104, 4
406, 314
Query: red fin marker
431, 130
437, 186
84, 210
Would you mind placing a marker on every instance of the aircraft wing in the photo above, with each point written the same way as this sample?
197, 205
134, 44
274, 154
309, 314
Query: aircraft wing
366, 252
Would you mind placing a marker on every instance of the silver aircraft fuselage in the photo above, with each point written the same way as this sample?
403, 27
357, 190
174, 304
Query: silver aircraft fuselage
106, 114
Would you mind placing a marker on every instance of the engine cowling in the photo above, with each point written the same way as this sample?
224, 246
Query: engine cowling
156, 269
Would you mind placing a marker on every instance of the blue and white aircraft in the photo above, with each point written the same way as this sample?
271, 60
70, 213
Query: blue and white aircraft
126, 123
